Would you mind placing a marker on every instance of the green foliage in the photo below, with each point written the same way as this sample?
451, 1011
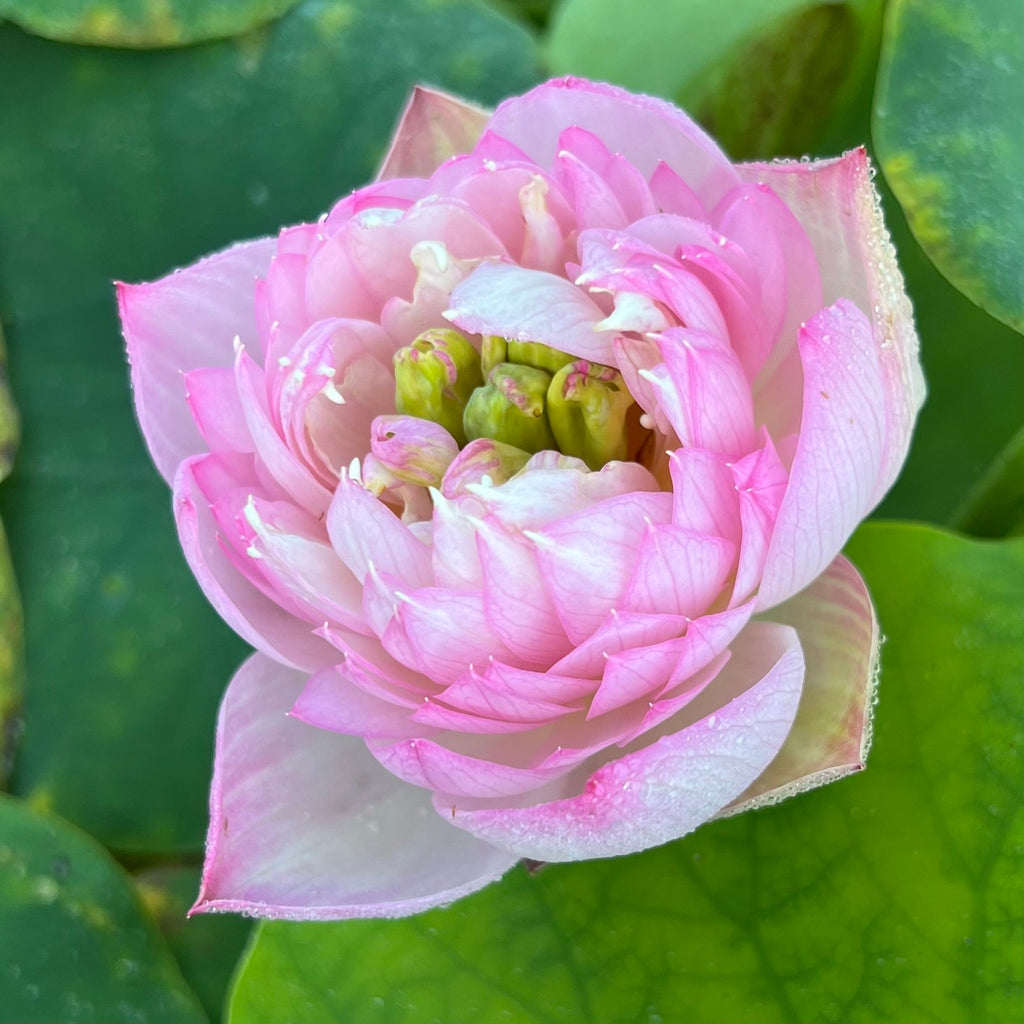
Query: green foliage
892, 896
141, 23
12, 632
207, 946
77, 943
948, 131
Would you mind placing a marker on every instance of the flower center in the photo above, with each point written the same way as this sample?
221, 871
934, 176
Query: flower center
524, 394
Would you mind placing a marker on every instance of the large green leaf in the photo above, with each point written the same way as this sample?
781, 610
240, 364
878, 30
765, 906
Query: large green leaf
767, 78
948, 131
972, 362
994, 507
141, 22
657, 46
892, 896
124, 165
801, 85
77, 943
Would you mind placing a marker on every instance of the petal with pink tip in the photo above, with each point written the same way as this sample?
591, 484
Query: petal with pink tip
627, 184
433, 127
594, 202
530, 305
305, 825
251, 614
186, 320
838, 632
706, 756
646, 131
839, 453
673, 196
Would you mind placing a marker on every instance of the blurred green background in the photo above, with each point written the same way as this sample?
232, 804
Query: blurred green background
136, 136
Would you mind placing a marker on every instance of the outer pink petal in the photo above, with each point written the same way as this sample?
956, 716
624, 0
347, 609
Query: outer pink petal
839, 454
839, 635
718, 745
840, 210
184, 321
305, 825
433, 127
646, 131
530, 305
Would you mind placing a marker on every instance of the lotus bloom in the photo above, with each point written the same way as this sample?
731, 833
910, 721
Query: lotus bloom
526, 472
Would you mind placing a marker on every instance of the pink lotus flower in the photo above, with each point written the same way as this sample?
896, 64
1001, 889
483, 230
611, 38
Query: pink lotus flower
526, 472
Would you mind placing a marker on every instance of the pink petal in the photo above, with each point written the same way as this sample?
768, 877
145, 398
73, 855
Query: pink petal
184, 321
516, 602
306, 826
646, 131
365, 531
707, 755
294, 553
434, 766
659, 669
673, 196
594, 202
760, 481
627, 184
366, 263
621, 631
839, 209
433, 127
709, 390
256, 618
530, 305
586, 559
834, 476
331, 700
704, 495
519, 695
448, 632
290, 473
212, 396
830, 738
754, 217
678, 571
